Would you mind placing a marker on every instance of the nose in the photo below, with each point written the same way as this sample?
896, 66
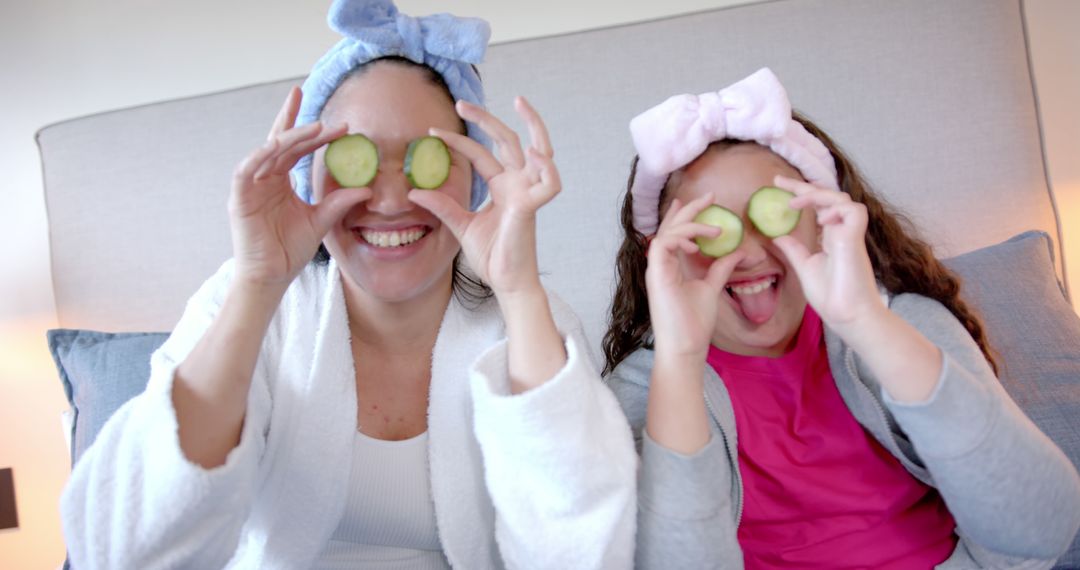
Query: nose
753, 247
390, 190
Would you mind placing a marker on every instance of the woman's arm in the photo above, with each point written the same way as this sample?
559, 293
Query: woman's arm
558, 458
274, 234
134, 500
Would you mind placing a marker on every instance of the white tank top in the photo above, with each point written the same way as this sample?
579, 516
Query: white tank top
389, 517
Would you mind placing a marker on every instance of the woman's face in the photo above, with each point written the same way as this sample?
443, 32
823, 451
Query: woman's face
762, 305
393, 104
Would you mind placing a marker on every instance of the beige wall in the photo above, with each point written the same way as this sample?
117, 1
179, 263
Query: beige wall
66, 59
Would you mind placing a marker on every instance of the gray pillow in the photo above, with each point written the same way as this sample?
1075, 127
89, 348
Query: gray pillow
100, 371
1035, 333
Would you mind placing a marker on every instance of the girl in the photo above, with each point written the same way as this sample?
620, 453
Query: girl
376, 407
823, 399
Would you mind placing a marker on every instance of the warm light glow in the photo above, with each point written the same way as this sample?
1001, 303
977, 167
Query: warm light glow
1068, 199
32, 443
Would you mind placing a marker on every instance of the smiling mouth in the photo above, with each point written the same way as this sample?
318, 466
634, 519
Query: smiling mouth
392, 238
756, 300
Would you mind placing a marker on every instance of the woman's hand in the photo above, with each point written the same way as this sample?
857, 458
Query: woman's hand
838, 280
682, 309
499, 240
275, 233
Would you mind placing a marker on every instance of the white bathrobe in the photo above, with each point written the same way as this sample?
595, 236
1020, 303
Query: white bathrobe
544, 479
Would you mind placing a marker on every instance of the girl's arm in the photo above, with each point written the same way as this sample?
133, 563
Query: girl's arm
686, 518
682, 312
1011, 490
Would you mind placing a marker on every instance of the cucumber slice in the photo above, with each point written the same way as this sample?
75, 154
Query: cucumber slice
352, 160
726, 242
770, 212
427, 163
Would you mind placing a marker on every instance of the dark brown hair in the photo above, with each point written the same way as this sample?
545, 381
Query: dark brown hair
902, 262
468, 288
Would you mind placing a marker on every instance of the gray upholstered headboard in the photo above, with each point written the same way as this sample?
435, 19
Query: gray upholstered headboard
933, 99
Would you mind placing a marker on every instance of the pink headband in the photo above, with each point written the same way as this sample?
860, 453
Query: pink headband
672, 134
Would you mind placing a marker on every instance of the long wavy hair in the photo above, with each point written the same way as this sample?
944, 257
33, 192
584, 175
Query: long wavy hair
902, 262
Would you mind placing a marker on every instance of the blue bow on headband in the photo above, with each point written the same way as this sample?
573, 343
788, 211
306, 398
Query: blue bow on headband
375, 28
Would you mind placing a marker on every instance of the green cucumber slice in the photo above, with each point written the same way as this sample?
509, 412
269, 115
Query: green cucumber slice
726, 242
427, 163
770, 213
352, 160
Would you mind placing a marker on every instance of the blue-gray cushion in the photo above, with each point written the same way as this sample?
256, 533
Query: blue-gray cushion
1036, 334
100, 371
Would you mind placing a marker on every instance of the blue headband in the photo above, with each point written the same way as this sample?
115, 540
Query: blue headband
375, 29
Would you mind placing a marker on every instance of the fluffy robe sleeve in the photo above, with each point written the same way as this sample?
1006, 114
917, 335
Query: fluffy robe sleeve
559, 461
134, 500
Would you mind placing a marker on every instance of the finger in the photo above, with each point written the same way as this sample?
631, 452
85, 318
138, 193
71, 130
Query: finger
286, 116
721, 269
693, 208
550, 182
673, 210
689, 247
336, 204
452, 215
506, 140
833, 215
285, 141
288, 157
819, 198
794, 185
538, 132
485, 164
795, 252
245, 171
693, 230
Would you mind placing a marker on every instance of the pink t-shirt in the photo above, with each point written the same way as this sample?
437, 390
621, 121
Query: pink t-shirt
819, 491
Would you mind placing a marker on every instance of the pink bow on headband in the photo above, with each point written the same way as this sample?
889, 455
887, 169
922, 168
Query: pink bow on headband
672, 134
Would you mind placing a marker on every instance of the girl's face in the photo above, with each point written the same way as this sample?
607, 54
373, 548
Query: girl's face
393, 104
762, 305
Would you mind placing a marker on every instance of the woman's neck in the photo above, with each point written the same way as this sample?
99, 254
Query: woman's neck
397, 326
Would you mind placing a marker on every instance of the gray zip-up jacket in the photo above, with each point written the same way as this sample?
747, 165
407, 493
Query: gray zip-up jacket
1015, 496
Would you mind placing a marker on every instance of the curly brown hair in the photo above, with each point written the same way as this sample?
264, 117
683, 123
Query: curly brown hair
903, 263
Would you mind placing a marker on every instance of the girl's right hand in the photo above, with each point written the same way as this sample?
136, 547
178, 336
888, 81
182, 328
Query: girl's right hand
682, 308
275, 233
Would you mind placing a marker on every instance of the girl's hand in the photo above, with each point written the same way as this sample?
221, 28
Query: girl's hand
499, 240
838, 279
683, 309
274, 232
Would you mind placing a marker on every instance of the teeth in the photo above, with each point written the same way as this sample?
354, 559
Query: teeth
392, 238
754, 288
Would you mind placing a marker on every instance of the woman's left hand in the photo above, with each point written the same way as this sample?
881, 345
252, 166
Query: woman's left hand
837, 279
499, 240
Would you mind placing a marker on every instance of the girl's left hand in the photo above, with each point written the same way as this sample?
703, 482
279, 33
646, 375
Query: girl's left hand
837, 279
499, 240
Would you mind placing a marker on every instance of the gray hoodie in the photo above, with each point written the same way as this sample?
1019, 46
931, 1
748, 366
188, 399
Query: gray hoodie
1015, 496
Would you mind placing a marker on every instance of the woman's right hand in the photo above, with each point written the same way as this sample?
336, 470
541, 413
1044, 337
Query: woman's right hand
682, 307
275, 233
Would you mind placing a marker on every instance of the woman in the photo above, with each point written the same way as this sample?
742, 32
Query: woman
377, 406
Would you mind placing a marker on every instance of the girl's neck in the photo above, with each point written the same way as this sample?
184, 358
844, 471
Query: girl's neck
397, 326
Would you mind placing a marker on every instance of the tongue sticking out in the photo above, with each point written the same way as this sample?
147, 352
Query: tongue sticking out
757, 307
